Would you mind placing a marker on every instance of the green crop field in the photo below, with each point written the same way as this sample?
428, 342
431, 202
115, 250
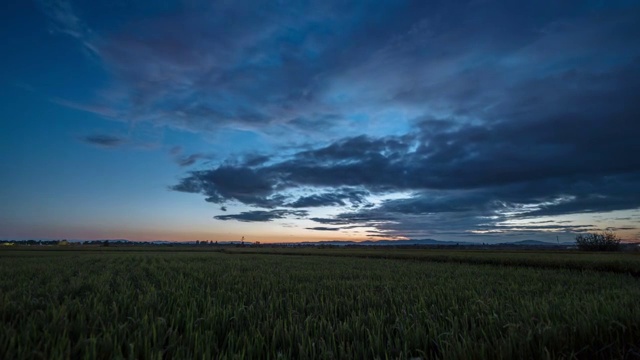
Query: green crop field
317, 304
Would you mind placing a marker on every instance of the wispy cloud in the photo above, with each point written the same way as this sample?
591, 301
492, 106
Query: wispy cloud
189, 160
263, 216
275, 71
323, 228
63, 19
183, 160
103, 140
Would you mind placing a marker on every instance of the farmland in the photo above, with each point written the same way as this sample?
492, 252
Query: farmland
317, 303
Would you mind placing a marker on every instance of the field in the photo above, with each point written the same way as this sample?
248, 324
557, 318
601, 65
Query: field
317, 304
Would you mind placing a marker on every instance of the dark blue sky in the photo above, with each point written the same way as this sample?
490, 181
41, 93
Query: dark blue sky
469, 120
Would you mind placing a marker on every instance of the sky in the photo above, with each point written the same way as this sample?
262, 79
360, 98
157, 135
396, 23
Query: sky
481, 121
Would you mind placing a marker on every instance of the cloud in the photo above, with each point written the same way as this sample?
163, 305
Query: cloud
460, 177
63, 19
462, 116
262, 216
176, 152
207, 72
322, 228
340, 197
227, 183
279, 71
360, 219
501, 161
622, 228
191, 159
103, 140
255, 159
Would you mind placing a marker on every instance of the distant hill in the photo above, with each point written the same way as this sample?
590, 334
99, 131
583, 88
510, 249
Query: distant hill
536, 243
391, 242
433, 242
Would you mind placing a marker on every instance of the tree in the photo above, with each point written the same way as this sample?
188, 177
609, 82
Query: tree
604, 241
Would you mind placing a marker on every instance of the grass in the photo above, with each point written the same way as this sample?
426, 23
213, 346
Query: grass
616, 262
135, 304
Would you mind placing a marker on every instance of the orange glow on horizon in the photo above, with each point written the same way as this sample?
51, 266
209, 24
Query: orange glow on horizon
46, 232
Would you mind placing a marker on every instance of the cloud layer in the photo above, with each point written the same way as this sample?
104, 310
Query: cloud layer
467, 118
463, 178
314, 68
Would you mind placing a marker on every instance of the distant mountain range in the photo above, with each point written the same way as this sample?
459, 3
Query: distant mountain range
537, 243
392, 242
432, 242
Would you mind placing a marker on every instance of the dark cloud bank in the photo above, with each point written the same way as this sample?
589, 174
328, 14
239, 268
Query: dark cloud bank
458, 175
